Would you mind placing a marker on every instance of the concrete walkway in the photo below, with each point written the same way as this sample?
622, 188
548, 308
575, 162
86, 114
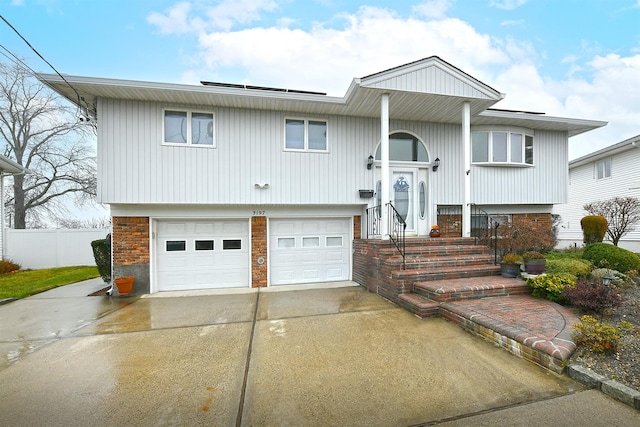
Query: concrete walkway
339, 356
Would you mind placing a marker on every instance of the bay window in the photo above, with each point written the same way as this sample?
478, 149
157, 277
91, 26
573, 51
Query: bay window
501, 147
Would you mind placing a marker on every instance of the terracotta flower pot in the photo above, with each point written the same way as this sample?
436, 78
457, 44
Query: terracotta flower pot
124, 284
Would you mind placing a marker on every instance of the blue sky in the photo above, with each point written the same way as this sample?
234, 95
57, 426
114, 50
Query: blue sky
572, 58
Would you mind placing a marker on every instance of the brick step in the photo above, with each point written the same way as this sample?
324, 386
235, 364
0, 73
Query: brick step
418, 305
456, 272
470, 287
428, 241
426, 263
440, 250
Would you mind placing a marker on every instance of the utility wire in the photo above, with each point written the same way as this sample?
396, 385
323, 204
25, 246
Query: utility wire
42, 57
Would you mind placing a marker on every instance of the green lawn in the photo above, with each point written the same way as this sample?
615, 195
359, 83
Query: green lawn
21, 284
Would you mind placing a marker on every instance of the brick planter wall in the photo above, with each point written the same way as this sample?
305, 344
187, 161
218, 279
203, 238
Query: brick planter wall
130, 240
259, 272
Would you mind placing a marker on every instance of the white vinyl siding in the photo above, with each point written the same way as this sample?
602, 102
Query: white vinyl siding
585, 187
544, 184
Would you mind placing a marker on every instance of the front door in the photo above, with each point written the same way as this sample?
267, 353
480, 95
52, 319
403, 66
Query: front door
402, 196
409, 197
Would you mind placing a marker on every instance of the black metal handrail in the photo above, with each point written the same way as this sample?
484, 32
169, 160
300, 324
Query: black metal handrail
397, 228
484, 229
374, 215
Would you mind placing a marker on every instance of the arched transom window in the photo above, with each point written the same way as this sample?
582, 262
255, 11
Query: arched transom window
404, 147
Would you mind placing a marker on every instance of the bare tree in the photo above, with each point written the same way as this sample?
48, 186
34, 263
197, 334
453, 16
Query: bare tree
622, 213
46, 137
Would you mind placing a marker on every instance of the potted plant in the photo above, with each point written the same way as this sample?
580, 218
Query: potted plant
534, 262
510, 265
124, 284
435, 231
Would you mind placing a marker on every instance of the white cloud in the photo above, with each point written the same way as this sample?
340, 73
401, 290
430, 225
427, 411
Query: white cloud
507, 4
326, 59
223, 16
435, 9
174, 20
512, 23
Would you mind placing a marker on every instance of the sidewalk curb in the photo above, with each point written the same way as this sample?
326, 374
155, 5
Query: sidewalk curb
7, 300
609, 387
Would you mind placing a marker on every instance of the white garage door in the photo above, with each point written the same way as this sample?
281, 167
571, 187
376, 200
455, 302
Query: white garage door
202, 254
309, 250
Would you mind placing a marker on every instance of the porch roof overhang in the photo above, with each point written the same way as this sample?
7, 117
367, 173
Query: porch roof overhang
9, 167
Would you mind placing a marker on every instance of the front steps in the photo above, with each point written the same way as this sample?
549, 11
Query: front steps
458, 280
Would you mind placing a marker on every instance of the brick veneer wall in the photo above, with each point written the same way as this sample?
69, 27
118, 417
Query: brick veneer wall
259, 272
357, 227
130, 250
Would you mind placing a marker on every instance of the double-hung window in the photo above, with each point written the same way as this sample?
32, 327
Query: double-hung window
502, 148
184, 127
603, 168
305, 135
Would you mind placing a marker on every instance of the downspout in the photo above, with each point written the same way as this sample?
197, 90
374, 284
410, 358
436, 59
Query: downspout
384, 159
466, 143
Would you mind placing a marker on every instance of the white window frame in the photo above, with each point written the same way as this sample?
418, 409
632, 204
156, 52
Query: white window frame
603, 163
306, 148
509, 131
188, 142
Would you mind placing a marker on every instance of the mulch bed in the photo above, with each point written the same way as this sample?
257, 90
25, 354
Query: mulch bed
623, 365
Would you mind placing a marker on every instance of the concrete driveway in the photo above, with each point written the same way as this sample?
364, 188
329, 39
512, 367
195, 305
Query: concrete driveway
339, 356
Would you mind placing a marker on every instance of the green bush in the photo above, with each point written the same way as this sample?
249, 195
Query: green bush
576, 267
550, 286
7, 266
598, 337
609, 256
594, 228
102, 255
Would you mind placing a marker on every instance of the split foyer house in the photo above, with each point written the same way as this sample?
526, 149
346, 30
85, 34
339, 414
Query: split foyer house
610, 172
224, 185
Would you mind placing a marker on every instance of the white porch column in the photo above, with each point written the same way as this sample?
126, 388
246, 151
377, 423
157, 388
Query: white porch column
466, 143
384, 162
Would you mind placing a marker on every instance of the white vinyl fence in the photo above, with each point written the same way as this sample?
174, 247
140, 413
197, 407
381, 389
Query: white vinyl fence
51, 248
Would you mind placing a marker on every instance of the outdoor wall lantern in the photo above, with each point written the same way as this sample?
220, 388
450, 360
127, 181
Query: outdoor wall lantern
436, 164
369, 162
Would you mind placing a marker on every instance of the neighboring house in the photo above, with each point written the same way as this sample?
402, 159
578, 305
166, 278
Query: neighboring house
7, 167
225, 185
611, 172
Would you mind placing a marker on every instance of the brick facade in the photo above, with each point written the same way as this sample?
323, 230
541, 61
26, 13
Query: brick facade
259, 272
130, 250
357, 227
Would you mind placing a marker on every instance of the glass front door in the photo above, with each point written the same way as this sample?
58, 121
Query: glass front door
403, 190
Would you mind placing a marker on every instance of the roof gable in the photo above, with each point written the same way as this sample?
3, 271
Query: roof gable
431, 76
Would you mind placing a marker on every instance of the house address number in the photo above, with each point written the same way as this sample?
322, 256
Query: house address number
259, 213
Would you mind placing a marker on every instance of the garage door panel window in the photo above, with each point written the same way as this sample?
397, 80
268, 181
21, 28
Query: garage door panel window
286, 242
310, 242
176, 245
334, 242
231, 244
204, 245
